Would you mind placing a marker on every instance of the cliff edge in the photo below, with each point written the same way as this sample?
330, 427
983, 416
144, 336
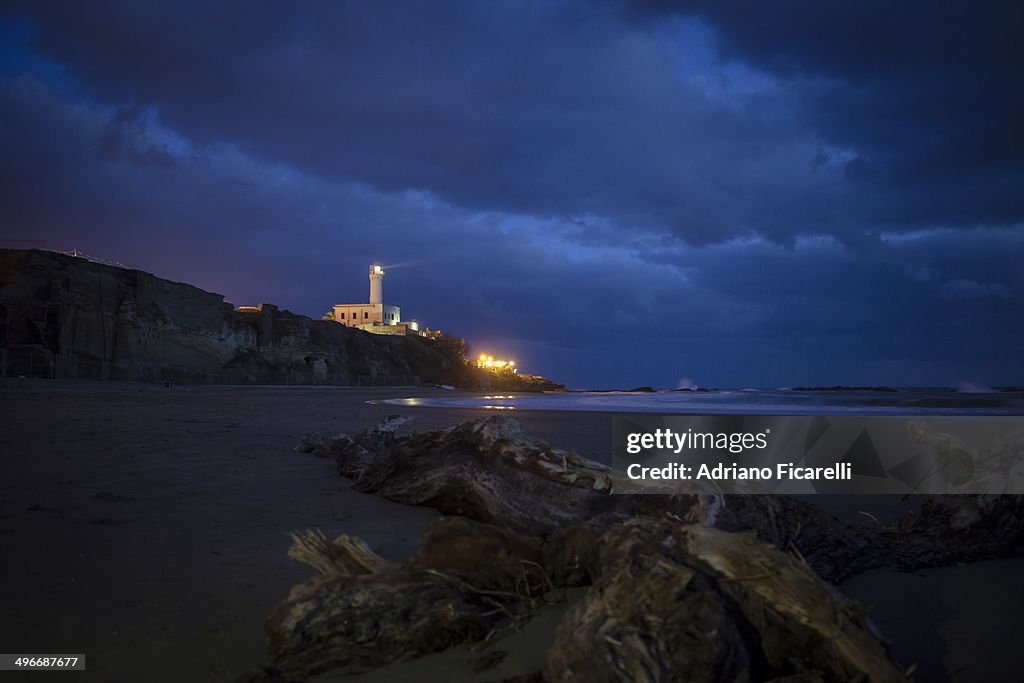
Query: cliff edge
68, 317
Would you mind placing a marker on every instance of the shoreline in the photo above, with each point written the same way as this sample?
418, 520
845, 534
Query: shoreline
149, 526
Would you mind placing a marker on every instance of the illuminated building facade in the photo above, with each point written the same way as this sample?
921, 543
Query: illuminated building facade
376, 316
489, 363
375, 312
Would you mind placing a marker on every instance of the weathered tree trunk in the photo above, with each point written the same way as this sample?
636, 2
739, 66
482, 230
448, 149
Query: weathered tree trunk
487, 470
956, 528
361, 611
693, 603
669, 602
669, 599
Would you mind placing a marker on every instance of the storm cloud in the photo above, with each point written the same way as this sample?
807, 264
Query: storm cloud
613, 193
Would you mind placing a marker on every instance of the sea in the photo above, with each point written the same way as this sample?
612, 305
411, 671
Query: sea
896, 402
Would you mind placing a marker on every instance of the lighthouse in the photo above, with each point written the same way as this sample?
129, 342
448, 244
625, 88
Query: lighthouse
376, 284
375, 315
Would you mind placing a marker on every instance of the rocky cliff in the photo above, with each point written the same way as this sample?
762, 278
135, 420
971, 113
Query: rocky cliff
67, 317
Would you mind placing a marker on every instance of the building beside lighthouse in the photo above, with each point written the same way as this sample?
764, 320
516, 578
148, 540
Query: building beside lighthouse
376, 316
373, 313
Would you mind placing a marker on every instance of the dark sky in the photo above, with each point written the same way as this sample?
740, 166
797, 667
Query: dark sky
733, 194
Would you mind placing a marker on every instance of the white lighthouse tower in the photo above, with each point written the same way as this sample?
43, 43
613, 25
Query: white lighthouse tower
375, 315
376, 284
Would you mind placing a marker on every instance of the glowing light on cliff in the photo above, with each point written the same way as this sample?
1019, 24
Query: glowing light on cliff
487, 361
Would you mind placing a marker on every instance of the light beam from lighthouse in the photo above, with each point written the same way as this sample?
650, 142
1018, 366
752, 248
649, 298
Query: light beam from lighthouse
376, 284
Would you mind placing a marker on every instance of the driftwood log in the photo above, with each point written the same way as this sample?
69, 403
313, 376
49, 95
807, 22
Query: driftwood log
680, 588
954, 529
671, 602
467, 582
695, 603
488, 470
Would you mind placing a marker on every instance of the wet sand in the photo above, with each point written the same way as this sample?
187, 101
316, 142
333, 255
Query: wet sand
147, 527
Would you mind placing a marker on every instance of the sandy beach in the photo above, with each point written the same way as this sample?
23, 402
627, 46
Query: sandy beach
147, 527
